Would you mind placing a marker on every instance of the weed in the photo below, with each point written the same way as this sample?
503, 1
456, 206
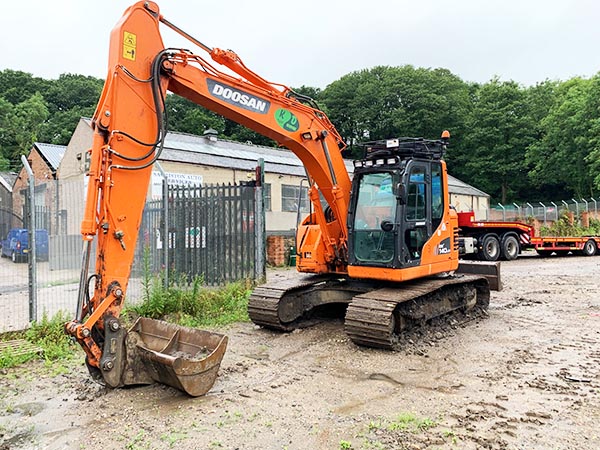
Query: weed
48, 334
133, 443
172, 437
452, 435
345, 445
215, 444
374, 425
192, 304
410, 422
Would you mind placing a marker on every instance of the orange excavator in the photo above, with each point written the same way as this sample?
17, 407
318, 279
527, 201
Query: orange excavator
385, 244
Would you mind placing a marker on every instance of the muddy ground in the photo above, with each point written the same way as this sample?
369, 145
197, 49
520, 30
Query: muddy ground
527, 376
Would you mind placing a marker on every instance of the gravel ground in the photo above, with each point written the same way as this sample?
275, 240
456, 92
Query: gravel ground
524, 376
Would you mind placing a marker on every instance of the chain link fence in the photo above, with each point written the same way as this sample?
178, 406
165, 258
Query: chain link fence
214, 232
545, 213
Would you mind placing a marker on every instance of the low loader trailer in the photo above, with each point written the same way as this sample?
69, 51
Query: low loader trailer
495, 240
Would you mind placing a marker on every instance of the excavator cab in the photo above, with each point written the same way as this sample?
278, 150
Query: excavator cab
399, 203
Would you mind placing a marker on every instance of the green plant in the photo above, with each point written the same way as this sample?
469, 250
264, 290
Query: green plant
410, 422
193, 304
47, 334
345, 445
172, 437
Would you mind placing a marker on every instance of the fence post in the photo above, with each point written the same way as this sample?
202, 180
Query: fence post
259, 214
532, 210
165, 230
566, 204
555, 210
503, 212
595, 206
586, 204
576, 207
32, 243
518, 209
543, 206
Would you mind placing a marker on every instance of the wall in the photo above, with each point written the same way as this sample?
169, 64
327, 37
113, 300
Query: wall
464, 203
45, 186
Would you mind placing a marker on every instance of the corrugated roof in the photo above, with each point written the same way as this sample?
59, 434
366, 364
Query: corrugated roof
456, 186
53, 154
193, 149
7, 179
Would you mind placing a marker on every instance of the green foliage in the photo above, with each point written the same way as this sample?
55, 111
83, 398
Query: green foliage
48, 334
193, 304
387, 102
566, 143
500, 130
563, 227
516, 143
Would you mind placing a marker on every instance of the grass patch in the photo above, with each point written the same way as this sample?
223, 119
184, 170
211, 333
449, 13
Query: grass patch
48, 334
193, 305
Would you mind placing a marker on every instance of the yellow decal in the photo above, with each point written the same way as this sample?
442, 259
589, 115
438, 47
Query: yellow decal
129, 45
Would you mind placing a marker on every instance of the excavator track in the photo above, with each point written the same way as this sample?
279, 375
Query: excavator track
266, 301
376, 312
290, 304
375, 318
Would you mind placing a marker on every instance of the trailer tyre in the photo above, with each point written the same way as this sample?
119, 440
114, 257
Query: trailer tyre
490, 248
510, 247
589, 248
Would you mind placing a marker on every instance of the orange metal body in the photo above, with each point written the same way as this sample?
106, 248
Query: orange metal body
127, 128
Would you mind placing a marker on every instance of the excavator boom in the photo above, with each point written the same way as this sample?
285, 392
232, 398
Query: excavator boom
129, 131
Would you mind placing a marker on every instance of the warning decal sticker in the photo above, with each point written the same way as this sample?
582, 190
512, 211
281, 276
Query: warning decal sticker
129, 45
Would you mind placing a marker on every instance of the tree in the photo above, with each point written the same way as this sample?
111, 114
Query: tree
17, 86
187, 117
29, 117
69, 98
385, 102
559, 156
500, 130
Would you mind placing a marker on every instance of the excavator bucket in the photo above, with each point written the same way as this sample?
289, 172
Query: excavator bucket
184, 358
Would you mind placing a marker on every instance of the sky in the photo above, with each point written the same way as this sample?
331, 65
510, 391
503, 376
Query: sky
315, 42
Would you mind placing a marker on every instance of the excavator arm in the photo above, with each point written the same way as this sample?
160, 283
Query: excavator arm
129, 132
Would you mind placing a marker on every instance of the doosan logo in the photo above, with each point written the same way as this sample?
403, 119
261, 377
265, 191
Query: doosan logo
237, 97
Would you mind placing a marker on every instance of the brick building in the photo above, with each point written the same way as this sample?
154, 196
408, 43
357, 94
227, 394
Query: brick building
44, 160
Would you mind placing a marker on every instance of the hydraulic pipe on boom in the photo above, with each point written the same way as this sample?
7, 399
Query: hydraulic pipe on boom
129, 131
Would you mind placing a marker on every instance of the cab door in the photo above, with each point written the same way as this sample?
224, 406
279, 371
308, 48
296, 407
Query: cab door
416, 214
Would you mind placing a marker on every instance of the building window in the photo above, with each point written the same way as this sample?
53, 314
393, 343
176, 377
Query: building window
267, 195
289, 198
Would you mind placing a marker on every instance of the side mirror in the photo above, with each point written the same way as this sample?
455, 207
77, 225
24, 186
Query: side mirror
387, 225
401, 194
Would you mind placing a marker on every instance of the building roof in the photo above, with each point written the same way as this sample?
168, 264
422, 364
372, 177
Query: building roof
51, 153
456, 186
187, 148
204, 150
7, 179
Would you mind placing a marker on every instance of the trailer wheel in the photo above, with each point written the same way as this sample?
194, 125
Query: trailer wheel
589, 248
510, 247
490, 248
